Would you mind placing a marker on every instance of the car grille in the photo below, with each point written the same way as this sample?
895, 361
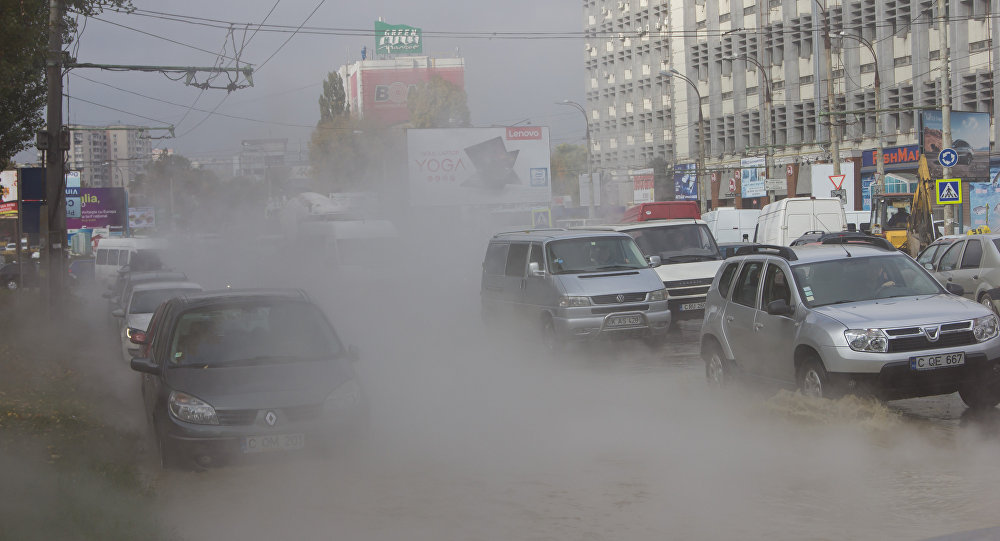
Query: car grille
303, 413
613, 298
622, 308
914, 339
247, 417
236, 417
687, 288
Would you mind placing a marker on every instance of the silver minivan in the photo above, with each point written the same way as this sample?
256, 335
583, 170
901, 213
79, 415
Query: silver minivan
574, 285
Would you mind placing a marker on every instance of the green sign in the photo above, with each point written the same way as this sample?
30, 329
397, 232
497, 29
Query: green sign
397, 39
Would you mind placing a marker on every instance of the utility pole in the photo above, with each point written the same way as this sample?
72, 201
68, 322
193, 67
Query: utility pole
949, 211
834, 136
590, 163
54, 210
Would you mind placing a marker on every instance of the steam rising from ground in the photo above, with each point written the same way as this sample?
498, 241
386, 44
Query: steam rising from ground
478, 434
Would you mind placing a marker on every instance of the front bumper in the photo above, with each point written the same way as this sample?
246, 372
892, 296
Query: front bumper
582, 322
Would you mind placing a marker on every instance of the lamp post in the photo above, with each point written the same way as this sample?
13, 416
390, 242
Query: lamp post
879, 158
702, 193
590, 167
834, 137
766, 124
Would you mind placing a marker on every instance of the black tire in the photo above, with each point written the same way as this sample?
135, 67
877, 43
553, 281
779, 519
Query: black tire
980, 395
813, 380
550, 337
169, 461
987, 301
718, 369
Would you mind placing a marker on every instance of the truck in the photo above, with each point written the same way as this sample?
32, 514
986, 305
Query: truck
783, 221
906, 219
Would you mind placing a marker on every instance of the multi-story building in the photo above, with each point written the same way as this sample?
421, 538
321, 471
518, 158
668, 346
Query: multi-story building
108, 156
639, 110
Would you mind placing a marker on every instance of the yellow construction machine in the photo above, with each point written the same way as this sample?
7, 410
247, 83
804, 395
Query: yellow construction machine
905, 219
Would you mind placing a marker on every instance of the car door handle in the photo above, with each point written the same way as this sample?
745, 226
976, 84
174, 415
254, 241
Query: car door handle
730, 318
975, 277
758, 326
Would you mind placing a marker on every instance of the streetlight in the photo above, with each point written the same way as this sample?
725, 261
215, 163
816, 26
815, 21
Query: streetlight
766, 124
879, 159
702, 195
590, 167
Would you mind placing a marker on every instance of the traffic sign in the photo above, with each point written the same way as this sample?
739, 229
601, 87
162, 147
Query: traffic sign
949, 191
732, 185
948, 157
773, 184
838, 181
841, 193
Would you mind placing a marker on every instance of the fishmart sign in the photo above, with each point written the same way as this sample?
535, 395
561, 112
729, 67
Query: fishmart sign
397, 39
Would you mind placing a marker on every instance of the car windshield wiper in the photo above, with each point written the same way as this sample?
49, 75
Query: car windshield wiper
615, 267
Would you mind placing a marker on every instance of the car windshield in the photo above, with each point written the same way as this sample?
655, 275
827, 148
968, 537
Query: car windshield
862, 279
677, 243
146, 302
595, 254
253, 333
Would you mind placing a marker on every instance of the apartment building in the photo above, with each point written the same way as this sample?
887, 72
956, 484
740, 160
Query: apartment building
735, 51
108, 156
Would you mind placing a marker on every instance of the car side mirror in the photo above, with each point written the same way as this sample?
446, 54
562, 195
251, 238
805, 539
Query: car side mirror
954, 288
779, 308
144, 365
118, 312
534, 269
654, 261
353, 354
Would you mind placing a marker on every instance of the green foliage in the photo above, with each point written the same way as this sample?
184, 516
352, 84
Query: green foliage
24, 27
347, 154
333, 101
173, 181
568, 162
438, 104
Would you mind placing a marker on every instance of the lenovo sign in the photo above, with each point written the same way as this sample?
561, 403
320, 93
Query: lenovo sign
522, 133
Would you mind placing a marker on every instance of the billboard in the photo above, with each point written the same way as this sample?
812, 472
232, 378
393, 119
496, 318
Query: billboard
642, 186
140, 217
99, 207
8, 193
381, 93
479, 166
686, 182
752, 175
397, 39
970, 137
823, 185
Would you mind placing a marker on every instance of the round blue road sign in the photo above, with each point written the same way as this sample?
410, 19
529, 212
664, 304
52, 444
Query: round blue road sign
948, 157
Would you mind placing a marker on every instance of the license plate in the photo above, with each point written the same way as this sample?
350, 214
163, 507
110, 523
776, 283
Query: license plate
693, 306
629, 320
941, 360
277, 442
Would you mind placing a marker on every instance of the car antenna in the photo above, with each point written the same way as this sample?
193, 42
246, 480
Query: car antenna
845, 250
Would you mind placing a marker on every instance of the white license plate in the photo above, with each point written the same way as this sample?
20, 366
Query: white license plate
629, 320
276, 442
941, 360
692, 306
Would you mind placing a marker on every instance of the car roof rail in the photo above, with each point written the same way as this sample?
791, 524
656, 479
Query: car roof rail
768, 249
877, 242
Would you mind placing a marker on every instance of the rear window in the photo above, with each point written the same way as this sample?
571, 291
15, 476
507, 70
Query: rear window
102, 257
146, 302
496, 259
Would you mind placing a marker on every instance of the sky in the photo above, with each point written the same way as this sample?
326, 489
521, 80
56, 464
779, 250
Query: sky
507, 81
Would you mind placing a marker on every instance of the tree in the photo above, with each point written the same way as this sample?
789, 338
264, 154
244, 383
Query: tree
568, 162
663, 180
333, 101
172, 183
438, 104
23, 49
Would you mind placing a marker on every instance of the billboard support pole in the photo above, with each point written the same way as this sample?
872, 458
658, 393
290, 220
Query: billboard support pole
54, 225
949, 212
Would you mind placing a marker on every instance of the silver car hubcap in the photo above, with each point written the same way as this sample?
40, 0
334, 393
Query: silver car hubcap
812, 385
716, 374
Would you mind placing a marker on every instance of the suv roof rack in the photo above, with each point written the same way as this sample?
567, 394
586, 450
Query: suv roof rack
861, 238
768, 249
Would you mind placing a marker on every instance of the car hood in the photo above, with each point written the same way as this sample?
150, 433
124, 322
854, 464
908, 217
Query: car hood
904, 311
278, 385
688, 271
607, 283
138, 321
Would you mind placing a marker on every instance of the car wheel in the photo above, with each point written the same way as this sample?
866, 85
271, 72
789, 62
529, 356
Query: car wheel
813, 379
718, 371
168, 455
550, 337
980, 395
987, 301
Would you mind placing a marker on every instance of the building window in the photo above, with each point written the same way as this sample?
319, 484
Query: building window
777, 85
727, 95
934, 55
807, 79
748, 11
977, 46
751, 91
903, 61
867, 68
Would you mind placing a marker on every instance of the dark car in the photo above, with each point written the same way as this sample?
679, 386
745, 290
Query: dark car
728, 249
245, 372
964, 151
11, 275
81, 271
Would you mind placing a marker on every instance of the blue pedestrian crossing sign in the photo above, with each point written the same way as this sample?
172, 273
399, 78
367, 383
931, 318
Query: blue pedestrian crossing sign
949, 191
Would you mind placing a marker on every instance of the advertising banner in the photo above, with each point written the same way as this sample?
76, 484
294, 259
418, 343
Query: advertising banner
479, 166
99, 207
686, 182
984, 205
8, 194
139, 217
642, 185
384, 92
894, 157
970, 138
752, 175
397, 39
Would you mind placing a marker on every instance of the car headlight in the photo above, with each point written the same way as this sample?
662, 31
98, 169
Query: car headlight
985, 327
658, 295
871, 340
344, 397
193, 410
571, 302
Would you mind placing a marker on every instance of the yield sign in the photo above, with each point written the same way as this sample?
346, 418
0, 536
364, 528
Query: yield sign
837, 180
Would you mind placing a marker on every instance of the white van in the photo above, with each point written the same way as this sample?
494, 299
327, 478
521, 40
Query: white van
783, 221
116, 252
730, 224
861, 219
360, 244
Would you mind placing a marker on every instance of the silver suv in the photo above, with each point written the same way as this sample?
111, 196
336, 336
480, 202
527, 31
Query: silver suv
848, 316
